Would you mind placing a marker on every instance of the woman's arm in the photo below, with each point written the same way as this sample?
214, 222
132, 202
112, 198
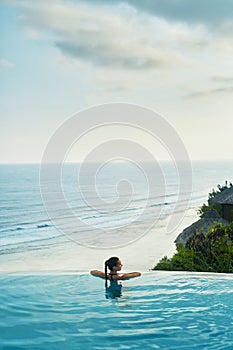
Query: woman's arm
97, 273
129, 275
125, 276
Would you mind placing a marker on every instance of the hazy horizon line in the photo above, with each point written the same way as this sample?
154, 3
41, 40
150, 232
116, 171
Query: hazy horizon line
120, 162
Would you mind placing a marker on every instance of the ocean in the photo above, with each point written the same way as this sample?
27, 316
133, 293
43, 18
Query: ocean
116, 209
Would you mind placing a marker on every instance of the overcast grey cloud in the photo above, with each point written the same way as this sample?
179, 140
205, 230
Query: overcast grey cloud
111, 36
208, 11
212, 12
211, 92
100, 56
222, 79
174, 56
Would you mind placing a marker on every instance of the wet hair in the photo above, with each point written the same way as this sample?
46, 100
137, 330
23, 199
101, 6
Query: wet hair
110, 263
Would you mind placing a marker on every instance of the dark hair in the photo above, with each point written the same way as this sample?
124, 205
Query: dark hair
110, 263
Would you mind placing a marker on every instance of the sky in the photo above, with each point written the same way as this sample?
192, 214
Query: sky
60, 57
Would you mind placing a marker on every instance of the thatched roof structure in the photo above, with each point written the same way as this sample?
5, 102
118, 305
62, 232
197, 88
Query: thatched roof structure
224, 197
203, 225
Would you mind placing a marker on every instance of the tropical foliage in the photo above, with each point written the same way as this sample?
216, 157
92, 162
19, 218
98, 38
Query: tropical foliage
212, 252
206, 207
220, 188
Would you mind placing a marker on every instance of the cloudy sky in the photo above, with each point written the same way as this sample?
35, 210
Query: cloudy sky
59, 57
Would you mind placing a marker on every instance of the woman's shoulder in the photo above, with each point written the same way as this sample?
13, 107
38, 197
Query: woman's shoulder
129, 275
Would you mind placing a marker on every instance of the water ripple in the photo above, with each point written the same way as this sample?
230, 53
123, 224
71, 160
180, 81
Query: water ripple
158, 311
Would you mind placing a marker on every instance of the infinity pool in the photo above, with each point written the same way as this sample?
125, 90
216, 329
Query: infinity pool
160, 310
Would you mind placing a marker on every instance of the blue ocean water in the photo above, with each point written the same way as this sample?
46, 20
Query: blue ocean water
156, 311
128, 204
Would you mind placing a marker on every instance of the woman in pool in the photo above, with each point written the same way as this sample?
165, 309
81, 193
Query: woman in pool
114, 265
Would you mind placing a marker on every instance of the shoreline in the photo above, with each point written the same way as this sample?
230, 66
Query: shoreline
141, 255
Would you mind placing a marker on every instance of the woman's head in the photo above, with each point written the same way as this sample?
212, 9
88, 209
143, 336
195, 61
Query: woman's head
114, 264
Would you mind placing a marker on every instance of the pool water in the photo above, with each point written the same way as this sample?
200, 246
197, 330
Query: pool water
160, 310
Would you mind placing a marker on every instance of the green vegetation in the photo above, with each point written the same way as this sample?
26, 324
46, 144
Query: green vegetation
206, 207
210, 251
220, 188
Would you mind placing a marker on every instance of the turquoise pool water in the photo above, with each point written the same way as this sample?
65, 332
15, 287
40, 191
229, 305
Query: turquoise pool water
160, 310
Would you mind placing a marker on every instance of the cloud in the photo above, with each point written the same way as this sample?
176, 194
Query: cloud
211, 92
32, 33
221, 79
6, 64
112, 36
210, 12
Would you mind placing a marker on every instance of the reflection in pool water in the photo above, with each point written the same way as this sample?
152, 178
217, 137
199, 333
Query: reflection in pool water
161, 310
